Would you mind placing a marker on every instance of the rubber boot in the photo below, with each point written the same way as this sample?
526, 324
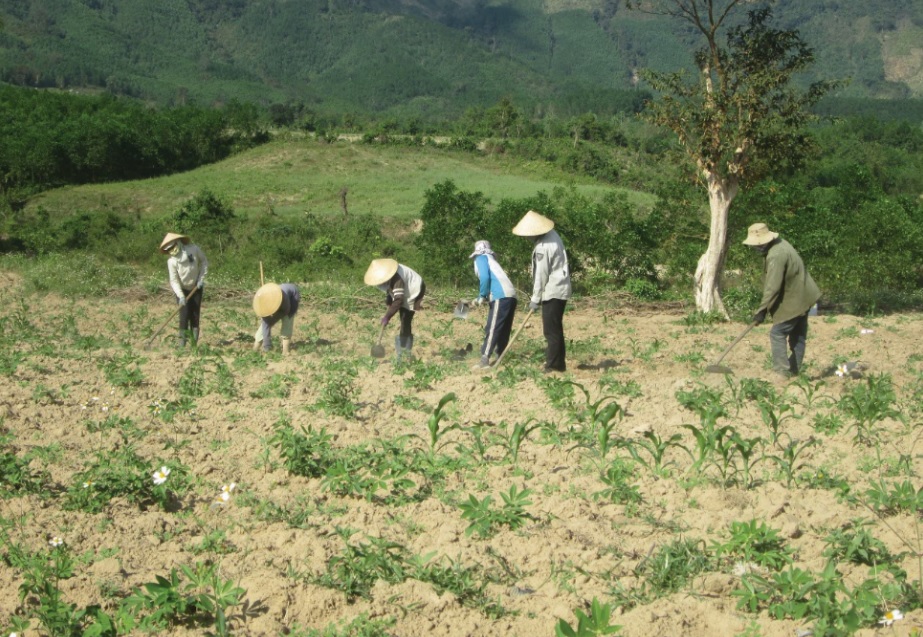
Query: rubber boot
256, 345
408, 347
195, 336
181, 339
286, 341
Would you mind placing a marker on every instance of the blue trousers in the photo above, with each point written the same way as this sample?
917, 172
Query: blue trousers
789, 335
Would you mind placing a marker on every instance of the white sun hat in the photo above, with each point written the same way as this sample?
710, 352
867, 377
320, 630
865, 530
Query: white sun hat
758, 234
380, 271
533, 225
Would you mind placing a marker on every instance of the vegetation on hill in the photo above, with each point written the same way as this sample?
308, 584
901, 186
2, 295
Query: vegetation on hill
428, 60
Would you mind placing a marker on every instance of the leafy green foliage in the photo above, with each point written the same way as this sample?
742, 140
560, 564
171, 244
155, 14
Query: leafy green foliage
485, 520
589, 625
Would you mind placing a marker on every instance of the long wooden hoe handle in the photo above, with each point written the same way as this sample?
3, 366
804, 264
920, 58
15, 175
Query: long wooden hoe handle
170, 318
510, 344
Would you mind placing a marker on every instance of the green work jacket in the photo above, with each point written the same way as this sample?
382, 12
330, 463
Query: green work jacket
788, 289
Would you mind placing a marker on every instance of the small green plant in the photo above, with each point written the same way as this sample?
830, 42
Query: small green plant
656, 449
756, 543
596, 623
123, 473
338, 393
124, 371
278, 386
435, 429
788, 461
868, 404
194, 593
423, 375
858, 546
355, 570
360, 626
306, 453
486, 520
617, 478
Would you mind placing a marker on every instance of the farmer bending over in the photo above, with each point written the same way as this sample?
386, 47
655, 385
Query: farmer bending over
404, 290
274, 303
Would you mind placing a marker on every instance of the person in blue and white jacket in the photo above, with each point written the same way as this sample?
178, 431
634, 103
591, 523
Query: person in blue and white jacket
497, 290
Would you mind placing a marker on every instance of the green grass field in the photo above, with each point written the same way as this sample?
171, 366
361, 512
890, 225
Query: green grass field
298, 175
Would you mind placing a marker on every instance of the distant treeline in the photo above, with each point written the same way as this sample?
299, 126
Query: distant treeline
52, 138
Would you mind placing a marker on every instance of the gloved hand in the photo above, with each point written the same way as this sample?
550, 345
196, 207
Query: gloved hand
384, 320
534, 306
759, 317
479, 301
181, 300
201, 285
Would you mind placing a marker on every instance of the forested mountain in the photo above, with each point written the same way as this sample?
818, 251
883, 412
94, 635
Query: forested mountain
430, 58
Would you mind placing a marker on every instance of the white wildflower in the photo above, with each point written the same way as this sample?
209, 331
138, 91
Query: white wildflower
56, 541
160, 476
891, 617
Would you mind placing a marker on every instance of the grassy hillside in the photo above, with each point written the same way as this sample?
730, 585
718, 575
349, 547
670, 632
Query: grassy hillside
294, 176
427, 59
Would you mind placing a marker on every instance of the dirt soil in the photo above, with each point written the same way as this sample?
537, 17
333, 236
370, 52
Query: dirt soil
574, 546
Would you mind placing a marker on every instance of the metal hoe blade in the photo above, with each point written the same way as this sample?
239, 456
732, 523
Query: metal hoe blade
461, 310
378, 350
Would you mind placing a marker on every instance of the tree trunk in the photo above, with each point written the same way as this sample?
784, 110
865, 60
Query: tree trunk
710, 268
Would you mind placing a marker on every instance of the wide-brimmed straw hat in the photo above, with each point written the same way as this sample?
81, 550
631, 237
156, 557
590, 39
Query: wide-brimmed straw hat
533, 225
380, 271
170, 239
758, 234
267, 300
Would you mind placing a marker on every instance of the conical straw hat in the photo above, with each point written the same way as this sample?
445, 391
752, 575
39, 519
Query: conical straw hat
170, 238
533, 225
380, 271
267, 300
758, 234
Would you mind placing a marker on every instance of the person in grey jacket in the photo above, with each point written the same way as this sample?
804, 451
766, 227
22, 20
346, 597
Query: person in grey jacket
551, 286
274, 303
187, 268
789, 292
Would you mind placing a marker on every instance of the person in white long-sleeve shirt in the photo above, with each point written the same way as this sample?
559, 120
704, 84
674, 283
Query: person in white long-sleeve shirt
187, 268
551, 287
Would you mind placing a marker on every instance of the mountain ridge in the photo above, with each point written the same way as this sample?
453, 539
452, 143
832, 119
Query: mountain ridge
405, 57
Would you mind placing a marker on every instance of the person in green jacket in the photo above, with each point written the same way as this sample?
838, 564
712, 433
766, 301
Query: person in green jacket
789, 292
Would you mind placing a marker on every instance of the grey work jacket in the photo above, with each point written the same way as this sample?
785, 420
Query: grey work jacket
550, 272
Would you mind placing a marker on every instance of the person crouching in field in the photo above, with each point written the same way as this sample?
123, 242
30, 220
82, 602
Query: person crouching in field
186, 267
498, 291
551, 284
788, 294
404, 290
274, 303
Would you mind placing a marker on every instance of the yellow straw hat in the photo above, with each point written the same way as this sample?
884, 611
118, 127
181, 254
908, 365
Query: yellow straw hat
533, 225
380, 271
267, 300
170, 239
758, 234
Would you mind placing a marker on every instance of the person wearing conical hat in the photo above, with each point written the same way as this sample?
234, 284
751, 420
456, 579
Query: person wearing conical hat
551, 286
789, 292
187, 268
404, 290
498, 291
273, 303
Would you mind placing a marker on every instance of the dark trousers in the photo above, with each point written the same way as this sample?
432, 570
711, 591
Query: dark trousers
791, 334
553, 329
499, 325
189, 313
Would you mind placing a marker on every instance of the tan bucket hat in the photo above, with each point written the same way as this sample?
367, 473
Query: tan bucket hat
758, 234
380, 271
533, 225
267, 300
171, 238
